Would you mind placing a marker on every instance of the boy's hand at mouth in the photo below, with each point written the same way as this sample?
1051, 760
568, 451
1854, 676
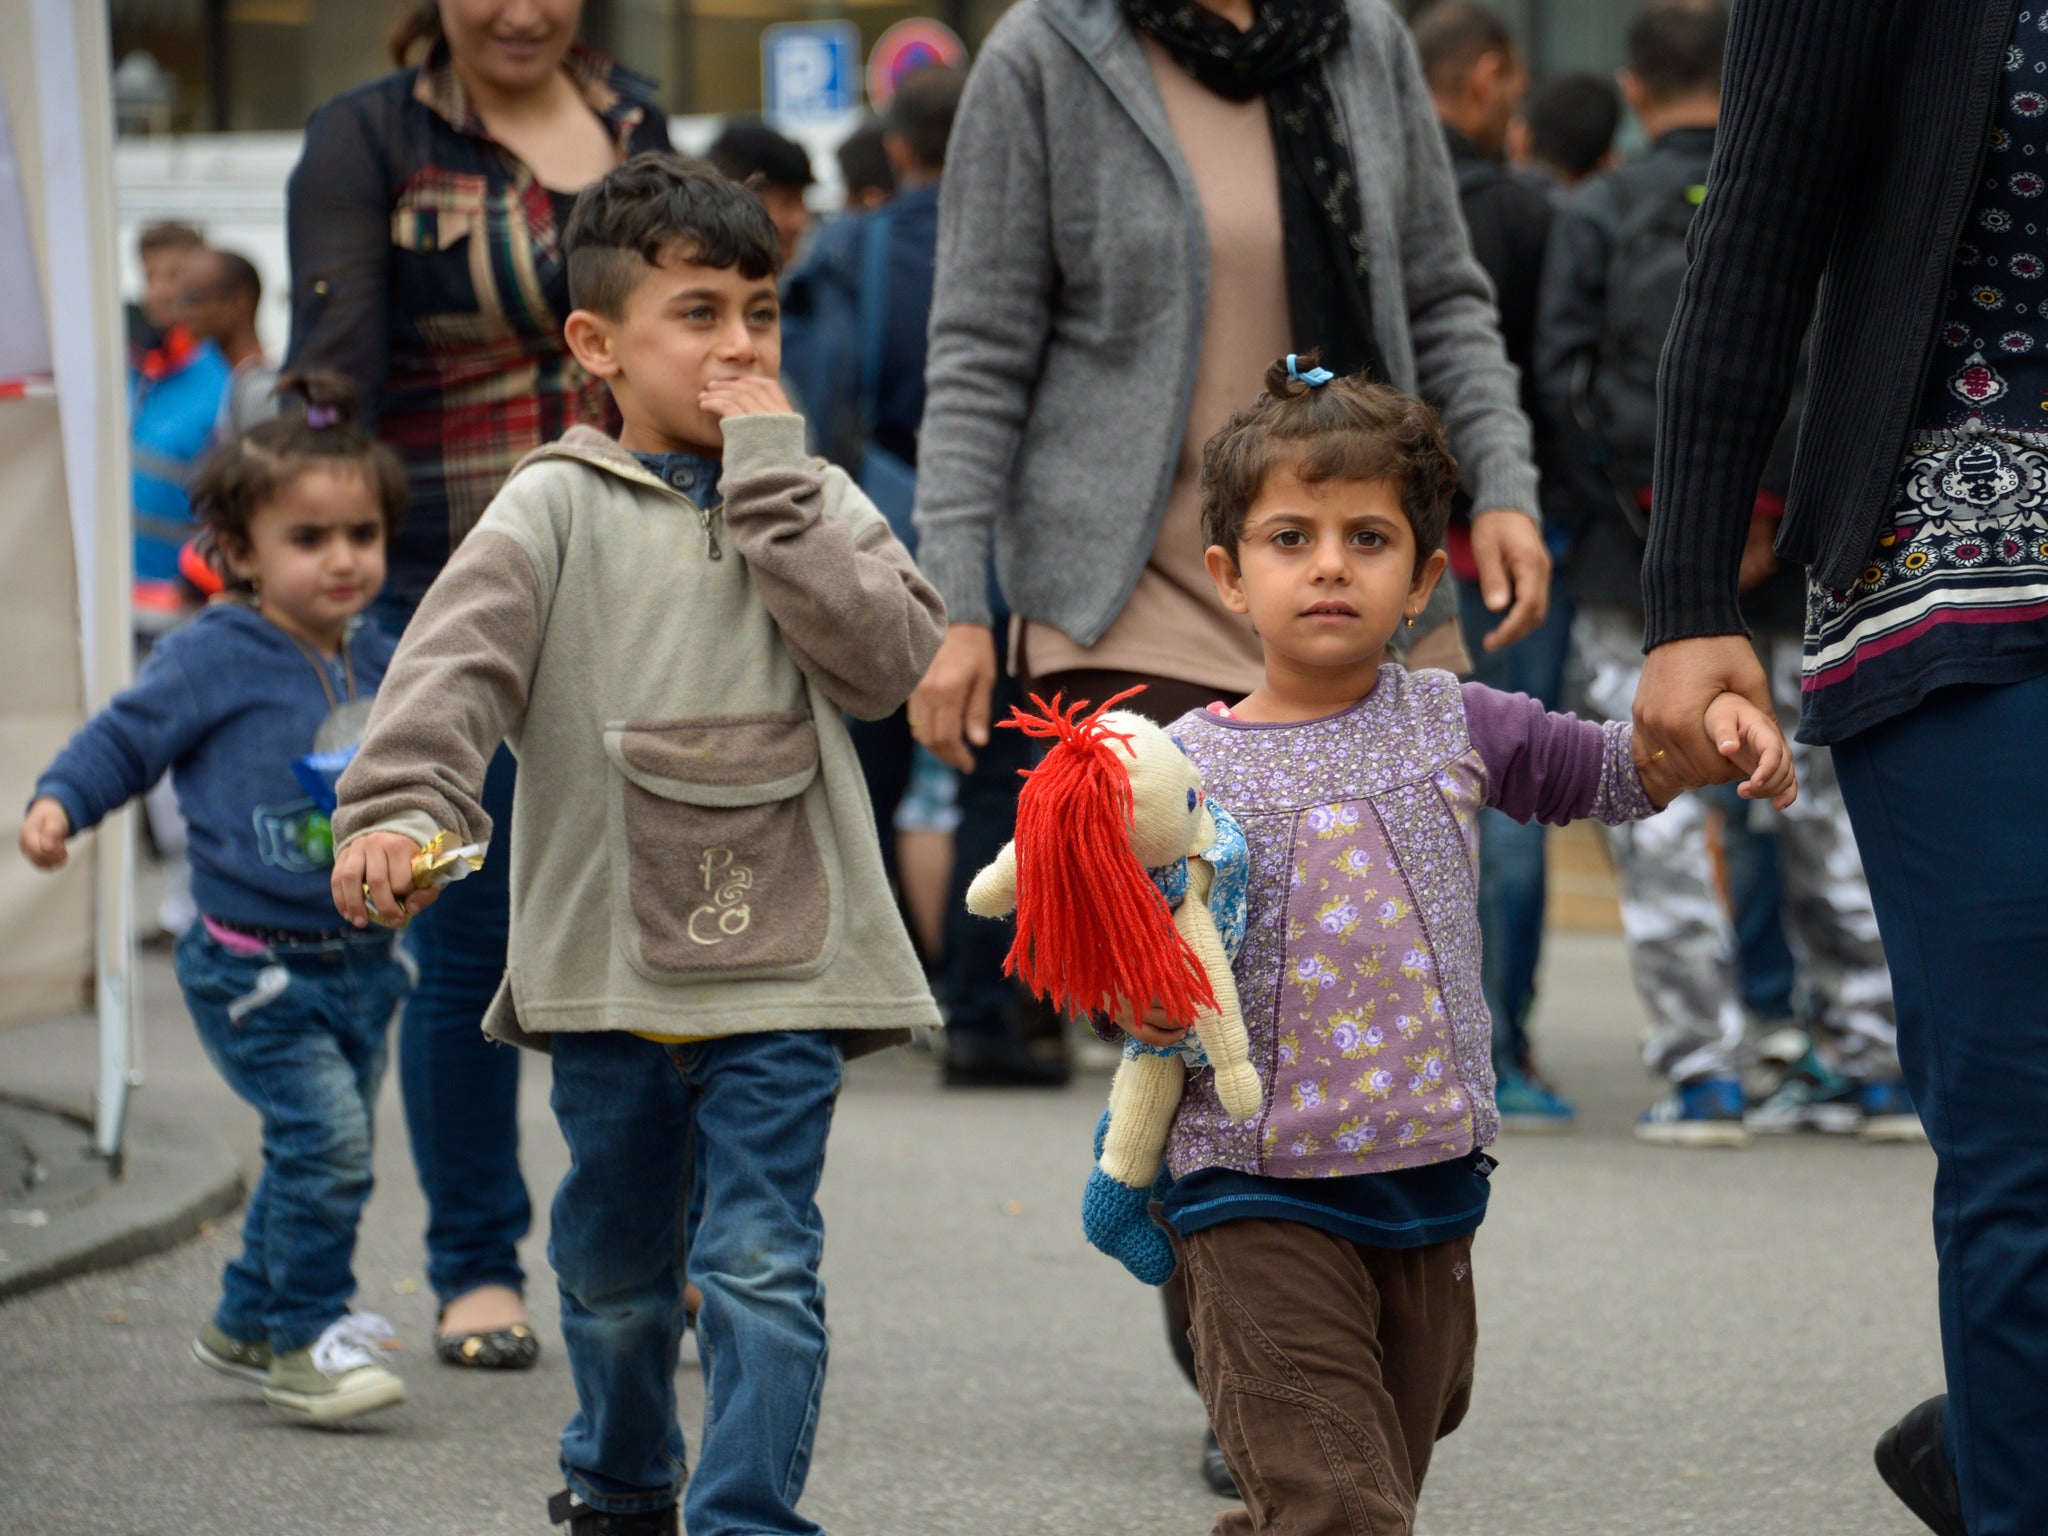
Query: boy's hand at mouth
744, 395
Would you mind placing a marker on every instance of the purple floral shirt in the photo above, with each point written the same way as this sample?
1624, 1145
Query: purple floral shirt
1359, 975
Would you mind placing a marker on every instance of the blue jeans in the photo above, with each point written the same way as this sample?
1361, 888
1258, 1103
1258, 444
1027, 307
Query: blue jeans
461, 1090
1511, 862
300, 1033
1756, 890
752, 1113
1958, 872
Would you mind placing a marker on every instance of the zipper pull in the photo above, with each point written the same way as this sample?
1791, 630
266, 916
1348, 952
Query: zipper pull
710, 536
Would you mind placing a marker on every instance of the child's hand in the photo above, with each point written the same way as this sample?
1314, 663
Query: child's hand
44, 832
1153, 1028
382, 863
747, 395
1753, 741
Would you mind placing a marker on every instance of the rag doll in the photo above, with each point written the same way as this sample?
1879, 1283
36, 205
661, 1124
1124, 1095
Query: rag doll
1129, 889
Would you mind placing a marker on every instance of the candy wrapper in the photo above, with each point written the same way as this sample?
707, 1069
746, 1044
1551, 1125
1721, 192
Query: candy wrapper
436, 864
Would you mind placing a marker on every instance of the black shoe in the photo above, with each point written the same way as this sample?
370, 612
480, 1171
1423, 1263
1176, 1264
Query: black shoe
579, 1519
1912, 1458
999, 1061
1215, 1470
498, 1349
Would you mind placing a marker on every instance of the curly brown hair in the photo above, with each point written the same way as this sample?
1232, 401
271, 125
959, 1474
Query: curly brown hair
1347, 429
317, 427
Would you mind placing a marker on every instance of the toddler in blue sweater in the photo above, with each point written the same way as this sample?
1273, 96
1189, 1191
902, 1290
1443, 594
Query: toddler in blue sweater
245, 705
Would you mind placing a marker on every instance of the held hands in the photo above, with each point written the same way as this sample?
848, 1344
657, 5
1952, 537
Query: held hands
745, 395
382, 862
43, 834
1746, 737
1751, 739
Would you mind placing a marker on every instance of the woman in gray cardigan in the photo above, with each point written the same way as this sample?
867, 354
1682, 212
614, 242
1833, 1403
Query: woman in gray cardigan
1142, 207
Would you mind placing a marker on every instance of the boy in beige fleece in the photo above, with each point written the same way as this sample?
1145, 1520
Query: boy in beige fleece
667, 628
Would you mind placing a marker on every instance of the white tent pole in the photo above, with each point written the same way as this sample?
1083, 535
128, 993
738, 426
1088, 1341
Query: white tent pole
74, 99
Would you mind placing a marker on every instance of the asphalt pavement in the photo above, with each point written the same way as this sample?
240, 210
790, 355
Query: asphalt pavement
1670, 1341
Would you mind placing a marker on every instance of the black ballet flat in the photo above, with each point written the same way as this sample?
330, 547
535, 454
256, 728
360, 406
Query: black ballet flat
500, 1349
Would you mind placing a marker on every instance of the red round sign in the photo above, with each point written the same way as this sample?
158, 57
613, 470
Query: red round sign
908, 46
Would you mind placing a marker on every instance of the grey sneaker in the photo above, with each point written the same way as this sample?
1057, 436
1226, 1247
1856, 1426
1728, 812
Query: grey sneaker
247, 1360
337, 1378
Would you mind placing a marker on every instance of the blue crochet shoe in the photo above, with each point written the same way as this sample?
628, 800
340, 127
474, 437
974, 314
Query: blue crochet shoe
1118, 1220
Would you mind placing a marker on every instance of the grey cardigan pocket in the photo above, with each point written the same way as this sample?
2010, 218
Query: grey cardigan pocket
716, 868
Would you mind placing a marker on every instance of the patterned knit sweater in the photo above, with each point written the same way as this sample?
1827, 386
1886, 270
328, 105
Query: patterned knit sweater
1359, 975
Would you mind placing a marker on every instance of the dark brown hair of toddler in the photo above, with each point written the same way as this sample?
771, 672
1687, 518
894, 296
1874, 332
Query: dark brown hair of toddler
1335, 429
316, 428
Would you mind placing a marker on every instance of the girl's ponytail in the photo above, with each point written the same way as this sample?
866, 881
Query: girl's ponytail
316, 428
325, 398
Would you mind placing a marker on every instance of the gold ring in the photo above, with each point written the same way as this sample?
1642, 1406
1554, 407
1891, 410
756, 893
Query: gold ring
1654, 756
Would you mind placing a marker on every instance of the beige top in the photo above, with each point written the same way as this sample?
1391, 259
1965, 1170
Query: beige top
691, 847
1173, 625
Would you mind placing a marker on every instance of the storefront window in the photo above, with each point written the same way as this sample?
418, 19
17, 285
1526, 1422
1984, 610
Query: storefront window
186, 66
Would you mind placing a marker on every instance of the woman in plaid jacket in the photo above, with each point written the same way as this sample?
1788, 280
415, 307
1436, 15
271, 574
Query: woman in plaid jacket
425, 223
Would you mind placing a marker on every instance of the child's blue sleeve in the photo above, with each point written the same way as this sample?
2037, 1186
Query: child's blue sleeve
126, 747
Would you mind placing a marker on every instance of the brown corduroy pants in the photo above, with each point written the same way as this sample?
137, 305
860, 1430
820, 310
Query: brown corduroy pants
1330, 1370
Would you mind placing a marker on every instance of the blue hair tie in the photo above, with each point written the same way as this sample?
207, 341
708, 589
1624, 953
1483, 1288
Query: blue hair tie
1315, 378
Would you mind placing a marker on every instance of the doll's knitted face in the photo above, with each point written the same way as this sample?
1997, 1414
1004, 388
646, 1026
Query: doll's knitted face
1166, 791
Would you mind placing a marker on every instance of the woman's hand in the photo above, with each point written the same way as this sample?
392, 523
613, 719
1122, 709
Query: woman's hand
373, 874
1682, 680
44, 832
1514, 573
949, 710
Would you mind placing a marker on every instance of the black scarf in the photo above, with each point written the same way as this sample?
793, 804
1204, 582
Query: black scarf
1329, 300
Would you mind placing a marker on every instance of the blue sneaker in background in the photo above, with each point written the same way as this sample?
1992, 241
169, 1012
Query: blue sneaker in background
1813, 1097
1526, 1105
1888, 1113
1704, 1113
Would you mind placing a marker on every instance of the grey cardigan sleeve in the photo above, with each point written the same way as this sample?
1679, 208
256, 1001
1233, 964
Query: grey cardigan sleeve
1461, 364
992, 298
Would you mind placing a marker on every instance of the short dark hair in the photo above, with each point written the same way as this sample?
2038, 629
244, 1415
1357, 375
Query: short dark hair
1348, 429
1675, 47
653, 207
863, 163
1453, 35
746, 148
238, 275
1572, 121
922, 110
239, 477
167, 235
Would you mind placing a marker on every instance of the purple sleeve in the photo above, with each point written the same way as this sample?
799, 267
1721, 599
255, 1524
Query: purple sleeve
1553, 768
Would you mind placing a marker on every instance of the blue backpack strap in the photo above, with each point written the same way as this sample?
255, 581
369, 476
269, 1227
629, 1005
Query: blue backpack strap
872, 310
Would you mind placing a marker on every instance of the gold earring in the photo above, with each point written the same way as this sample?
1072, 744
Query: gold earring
1411, 622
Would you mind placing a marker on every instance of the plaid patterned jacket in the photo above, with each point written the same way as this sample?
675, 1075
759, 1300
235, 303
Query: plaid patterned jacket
427, 267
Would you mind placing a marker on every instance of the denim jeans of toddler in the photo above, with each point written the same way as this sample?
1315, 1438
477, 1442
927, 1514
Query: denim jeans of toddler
753, 1112
301, 1033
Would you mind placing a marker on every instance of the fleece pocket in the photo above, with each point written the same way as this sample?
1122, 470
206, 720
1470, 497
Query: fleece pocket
717, 873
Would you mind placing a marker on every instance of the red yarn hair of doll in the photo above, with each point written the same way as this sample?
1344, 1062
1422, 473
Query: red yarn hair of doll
1092, 928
